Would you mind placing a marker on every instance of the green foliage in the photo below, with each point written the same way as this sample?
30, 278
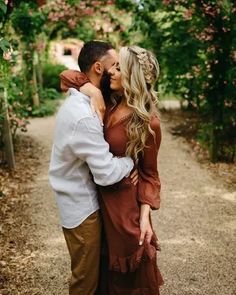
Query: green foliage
18, 109
195, 42
47, 108
49, 93
3, 8
51, 75
226, 151
18, 118
3, 11
24, 80
83, 31
127, 4
28, 21
4, 45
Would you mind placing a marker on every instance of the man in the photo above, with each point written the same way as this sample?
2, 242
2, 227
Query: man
78, 149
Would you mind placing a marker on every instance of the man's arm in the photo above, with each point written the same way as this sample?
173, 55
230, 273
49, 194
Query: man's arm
88, 143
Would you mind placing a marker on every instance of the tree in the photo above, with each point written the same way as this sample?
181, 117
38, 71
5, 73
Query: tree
195, 43
28, 23
5, 55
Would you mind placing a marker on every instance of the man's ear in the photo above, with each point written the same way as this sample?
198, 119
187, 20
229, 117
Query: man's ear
98, 68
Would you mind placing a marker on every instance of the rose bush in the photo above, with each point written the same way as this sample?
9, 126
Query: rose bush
195, 42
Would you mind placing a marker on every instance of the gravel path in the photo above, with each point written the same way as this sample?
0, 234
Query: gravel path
196, 225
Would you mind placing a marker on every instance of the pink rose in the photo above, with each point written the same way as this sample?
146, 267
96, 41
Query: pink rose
7, 55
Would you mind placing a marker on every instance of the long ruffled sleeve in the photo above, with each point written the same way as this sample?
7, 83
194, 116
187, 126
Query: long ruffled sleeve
149, 183
72, 79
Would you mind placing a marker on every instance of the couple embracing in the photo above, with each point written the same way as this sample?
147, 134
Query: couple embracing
105, 178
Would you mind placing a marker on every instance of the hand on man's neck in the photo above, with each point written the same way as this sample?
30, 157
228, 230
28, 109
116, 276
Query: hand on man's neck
94, 79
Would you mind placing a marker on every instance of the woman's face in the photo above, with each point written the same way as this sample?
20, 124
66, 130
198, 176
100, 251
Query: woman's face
115, 77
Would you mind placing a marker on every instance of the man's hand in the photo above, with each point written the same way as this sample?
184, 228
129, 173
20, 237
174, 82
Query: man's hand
97, 102
134, 177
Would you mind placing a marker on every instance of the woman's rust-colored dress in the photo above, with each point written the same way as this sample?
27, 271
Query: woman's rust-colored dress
127, 268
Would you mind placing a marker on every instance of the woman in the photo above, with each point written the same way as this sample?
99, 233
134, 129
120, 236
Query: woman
131, 127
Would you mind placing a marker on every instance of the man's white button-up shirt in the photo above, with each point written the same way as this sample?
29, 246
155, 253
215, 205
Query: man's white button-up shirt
79, 150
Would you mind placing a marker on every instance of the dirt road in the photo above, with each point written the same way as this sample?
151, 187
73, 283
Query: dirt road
195, 225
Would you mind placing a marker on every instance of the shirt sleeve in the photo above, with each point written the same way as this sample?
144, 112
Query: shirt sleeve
88, 143
149, 183
73, 79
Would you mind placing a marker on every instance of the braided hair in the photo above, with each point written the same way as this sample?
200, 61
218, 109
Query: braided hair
139, 72
148, 63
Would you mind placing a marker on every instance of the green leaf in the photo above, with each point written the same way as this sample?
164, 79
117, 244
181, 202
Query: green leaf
4, 42
4, 45
3, 7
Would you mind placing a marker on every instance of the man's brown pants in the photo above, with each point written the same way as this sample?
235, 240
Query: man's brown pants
84, 243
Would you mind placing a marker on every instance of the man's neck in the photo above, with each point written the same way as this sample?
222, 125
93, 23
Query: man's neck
94, 80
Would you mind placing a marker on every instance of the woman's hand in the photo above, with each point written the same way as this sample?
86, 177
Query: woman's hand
97, 102
134, 177
145, 225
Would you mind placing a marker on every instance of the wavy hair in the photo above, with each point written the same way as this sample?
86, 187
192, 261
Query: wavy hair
139, 71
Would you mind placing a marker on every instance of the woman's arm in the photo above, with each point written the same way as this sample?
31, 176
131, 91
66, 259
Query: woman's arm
79, 81
145, 225
97, 101
149, 183
72, 79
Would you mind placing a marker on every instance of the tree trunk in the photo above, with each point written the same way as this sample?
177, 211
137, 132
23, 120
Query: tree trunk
7, 137
35, 85
39, 74
214, 146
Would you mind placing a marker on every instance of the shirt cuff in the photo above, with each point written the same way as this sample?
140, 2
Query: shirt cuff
129, 164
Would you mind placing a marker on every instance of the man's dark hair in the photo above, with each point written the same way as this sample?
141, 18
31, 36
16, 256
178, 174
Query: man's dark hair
91, 52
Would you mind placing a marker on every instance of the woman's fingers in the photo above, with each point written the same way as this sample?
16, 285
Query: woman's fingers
146, 231
149, 236
141, 239
134, 177
135, 180
134, 173
145, 235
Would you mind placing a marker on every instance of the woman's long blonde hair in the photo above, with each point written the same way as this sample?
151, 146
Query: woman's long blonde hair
139, 71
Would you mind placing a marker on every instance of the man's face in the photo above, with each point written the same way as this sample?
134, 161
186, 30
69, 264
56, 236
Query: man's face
107, 61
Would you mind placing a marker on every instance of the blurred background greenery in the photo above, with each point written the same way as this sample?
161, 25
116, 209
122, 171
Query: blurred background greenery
194, 42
